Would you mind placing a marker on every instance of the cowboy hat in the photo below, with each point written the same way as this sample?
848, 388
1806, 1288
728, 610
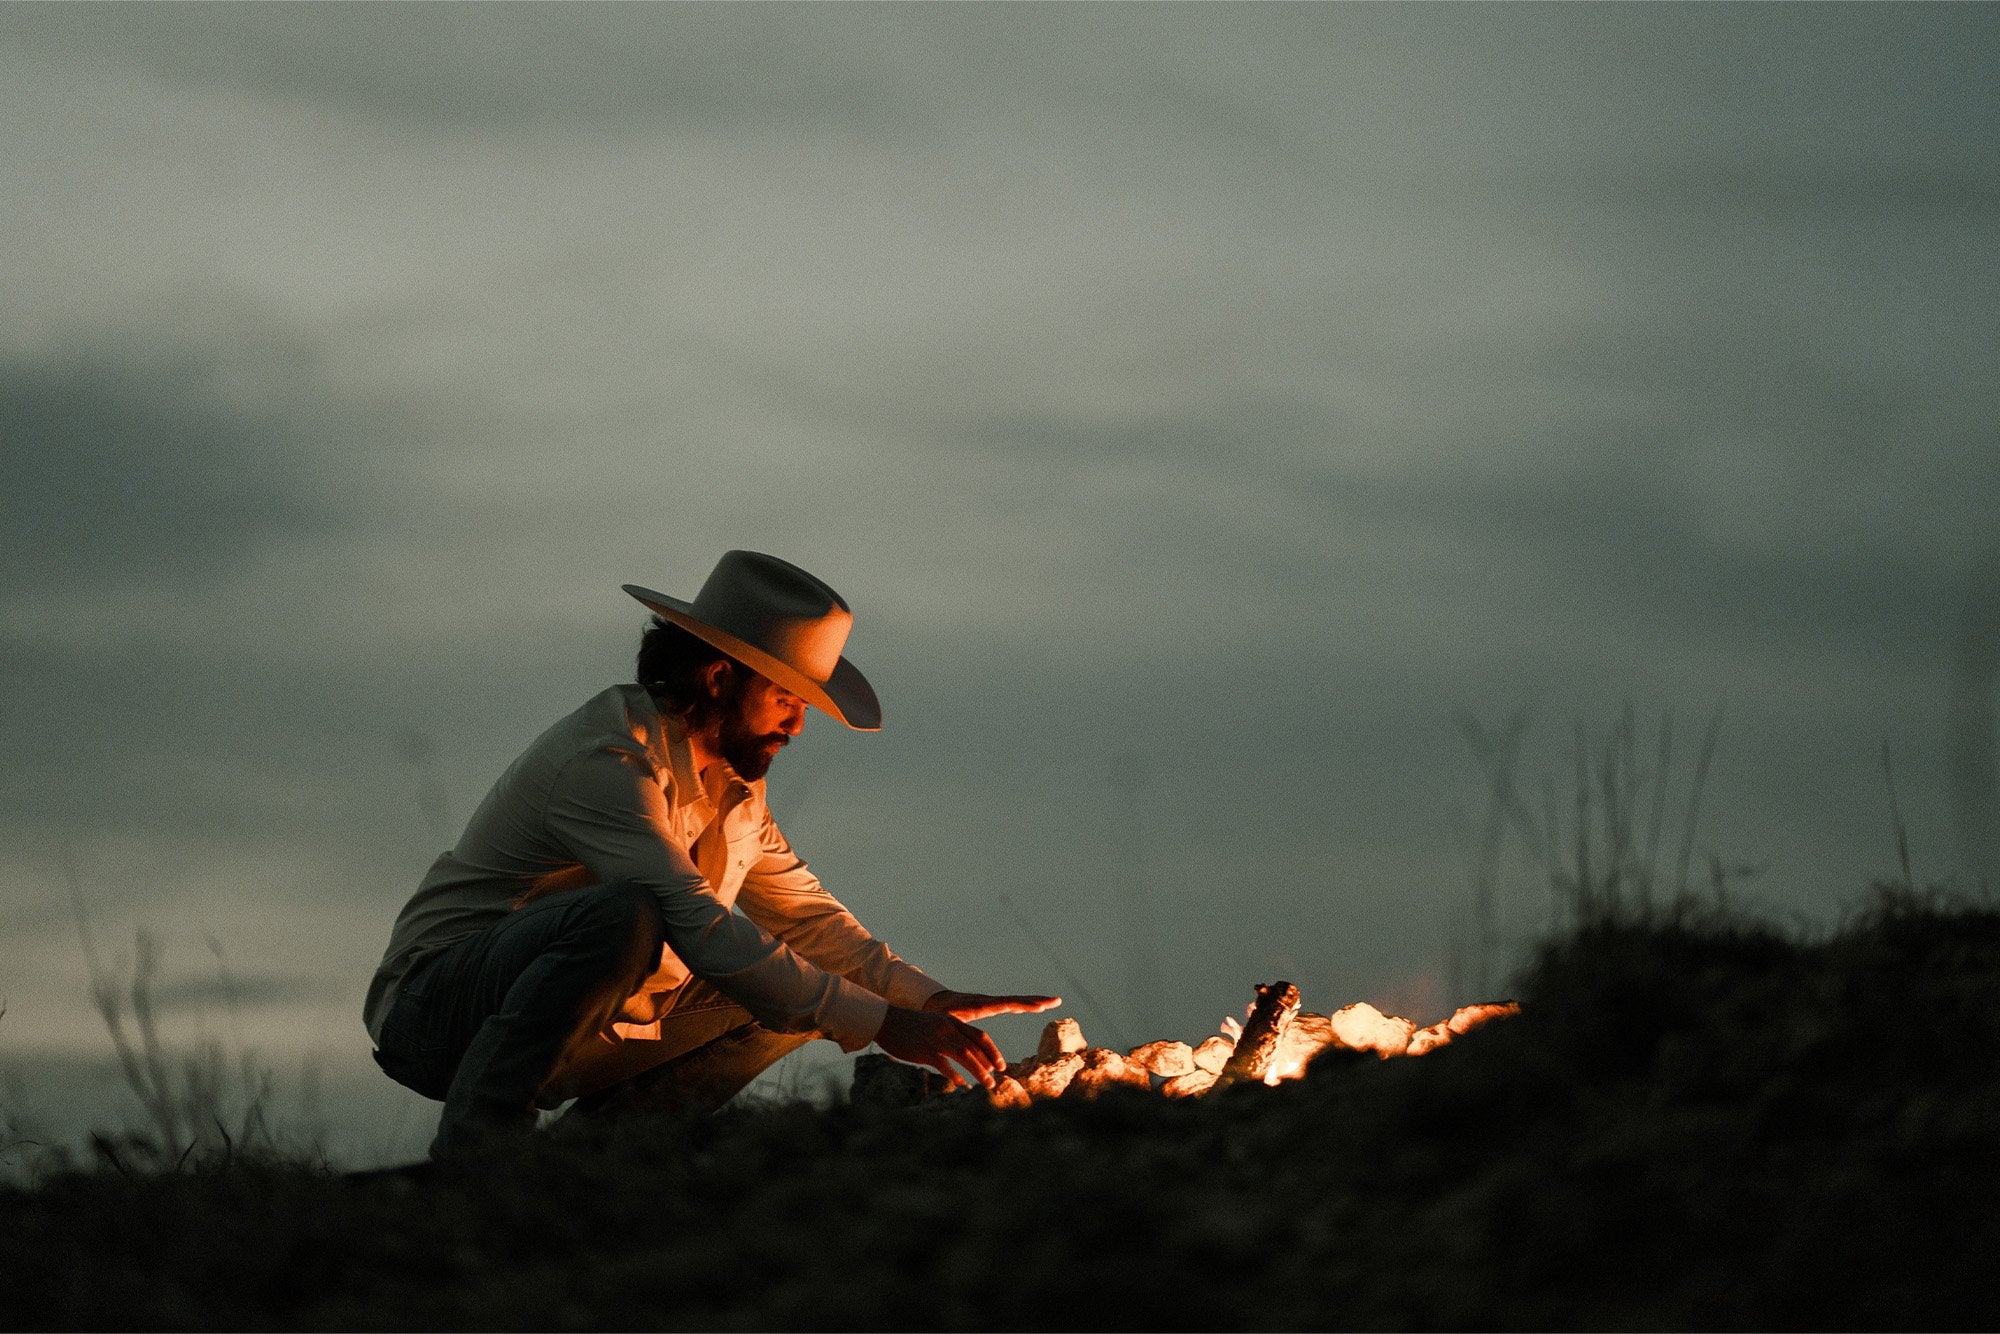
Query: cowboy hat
779, 621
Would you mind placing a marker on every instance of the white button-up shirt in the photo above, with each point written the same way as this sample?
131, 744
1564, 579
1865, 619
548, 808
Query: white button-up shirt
610, 794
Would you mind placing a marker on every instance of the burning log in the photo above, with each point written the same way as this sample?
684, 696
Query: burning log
1263, 1031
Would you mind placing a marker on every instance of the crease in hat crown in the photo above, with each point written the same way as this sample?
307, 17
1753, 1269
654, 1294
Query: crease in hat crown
781, 621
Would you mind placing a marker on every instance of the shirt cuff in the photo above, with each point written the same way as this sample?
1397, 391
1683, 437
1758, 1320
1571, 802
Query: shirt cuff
854, 1016
910, 988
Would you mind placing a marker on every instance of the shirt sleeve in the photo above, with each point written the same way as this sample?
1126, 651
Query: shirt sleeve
785, 898
607, 809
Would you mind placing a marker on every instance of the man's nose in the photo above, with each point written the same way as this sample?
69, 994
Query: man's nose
794, 721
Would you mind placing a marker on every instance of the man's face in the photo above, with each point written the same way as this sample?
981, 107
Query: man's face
757, 724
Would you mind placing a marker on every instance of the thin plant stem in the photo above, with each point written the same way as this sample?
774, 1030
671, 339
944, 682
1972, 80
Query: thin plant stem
1693, 820
1896, 821
1069, 976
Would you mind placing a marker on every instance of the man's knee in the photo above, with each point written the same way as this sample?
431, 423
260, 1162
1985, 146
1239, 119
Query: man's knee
621, 921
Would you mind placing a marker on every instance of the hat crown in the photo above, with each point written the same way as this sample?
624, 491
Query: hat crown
775, 606
779, 621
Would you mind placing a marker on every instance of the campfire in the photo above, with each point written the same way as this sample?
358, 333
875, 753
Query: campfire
1274, 1042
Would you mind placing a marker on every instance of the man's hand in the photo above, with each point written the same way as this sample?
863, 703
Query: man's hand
939, 1036
971, 1005
939, 1041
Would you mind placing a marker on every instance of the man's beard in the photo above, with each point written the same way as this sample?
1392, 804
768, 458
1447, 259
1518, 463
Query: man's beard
749, 753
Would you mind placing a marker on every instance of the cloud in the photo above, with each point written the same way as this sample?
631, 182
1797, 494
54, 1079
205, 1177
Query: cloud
182, 493
1815, 194
1215, 395
539, 66
158, 463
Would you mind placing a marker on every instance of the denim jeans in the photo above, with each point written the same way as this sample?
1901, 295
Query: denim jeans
519, 1015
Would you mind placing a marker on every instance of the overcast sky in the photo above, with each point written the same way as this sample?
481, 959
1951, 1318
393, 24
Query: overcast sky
1201, 408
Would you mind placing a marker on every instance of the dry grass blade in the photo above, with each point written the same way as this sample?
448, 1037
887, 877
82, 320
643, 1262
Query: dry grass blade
1896, 821
1600, 843
188, 1096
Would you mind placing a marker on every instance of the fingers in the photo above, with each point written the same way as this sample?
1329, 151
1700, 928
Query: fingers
948, 1044
1019, 1004
990, 1050
979, 1054
976, 1052
985, 1007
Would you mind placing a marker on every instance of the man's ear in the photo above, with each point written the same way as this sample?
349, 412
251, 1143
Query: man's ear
715, 677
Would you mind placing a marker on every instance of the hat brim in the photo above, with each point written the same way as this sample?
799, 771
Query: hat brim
846, 695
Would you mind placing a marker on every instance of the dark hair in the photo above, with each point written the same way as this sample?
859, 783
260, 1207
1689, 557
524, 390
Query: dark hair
670, 664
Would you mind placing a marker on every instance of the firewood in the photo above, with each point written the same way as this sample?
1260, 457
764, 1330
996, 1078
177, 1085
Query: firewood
1262, 1032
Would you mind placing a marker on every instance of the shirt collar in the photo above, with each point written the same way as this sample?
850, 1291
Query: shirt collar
680, 757
722, 779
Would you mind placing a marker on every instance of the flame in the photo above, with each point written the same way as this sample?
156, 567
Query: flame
1281, 1070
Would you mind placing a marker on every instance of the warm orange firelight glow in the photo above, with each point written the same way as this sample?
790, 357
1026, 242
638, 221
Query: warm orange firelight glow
1066, 1065
1362, 1027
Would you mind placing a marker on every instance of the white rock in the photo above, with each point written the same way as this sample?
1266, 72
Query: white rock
1365, 1028
1162, 1058
1308, 1036
1429, 1039
1062, 1035
1469, 1017
1189, 1085
1009, 1093
1048, 1079
1103, 1067
1213, 1054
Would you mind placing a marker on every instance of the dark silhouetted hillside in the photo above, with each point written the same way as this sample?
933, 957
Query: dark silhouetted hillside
1694, 1123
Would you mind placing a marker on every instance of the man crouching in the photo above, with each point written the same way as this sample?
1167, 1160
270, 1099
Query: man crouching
578, 942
